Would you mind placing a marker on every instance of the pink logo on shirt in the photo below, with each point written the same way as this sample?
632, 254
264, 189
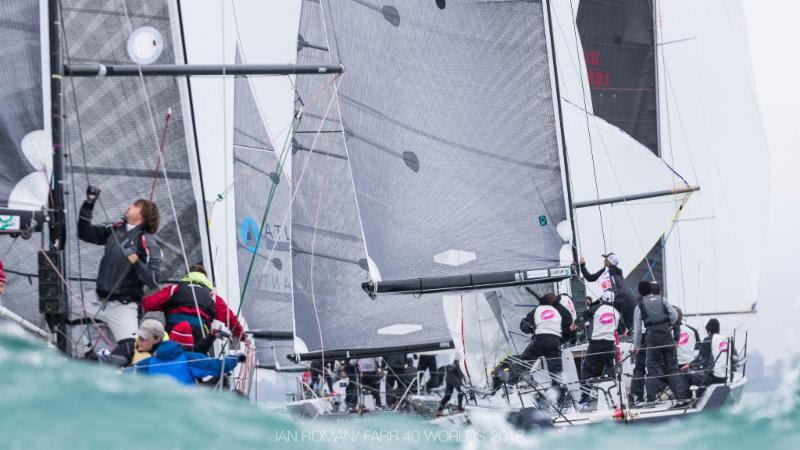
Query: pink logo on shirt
607, 318
723, 346
547, 314
684, 339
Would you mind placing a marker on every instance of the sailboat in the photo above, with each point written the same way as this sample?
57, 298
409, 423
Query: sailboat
101, 95
647, 109
468, 152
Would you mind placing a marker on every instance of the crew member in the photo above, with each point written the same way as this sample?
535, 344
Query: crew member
2, 279
453, 380
602, 349
656, 313
371, 374
639, 358
688, 341
174, 359
711, 364
611, 277
193, 300
130, 264
547, 322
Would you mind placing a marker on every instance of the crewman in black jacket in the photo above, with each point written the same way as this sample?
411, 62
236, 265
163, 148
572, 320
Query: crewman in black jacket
131, 262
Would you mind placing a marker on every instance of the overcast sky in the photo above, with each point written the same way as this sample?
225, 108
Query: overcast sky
771, 25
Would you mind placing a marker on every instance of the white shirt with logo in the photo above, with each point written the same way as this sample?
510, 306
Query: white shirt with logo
567, 302
606, 320
719, 351
547, 320
686, 346
605, 280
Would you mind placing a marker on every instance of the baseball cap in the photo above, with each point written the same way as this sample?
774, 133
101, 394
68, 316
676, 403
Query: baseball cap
612, 258
608, 297
150, 328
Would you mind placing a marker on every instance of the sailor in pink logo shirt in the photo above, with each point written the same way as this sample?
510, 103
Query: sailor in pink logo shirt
599, 359
548, 322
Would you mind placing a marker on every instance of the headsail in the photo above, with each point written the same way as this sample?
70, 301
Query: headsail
713, 133
267, 301
606, 55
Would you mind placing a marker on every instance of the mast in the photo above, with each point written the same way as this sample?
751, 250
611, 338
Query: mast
567, 181
52, 293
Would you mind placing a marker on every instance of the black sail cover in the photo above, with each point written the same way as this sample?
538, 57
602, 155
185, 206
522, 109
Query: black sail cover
119, 152
437, 157
267, 301
23, 143
619, 49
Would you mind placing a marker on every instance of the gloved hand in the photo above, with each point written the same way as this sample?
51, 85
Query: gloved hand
129, 251
91, 194
241, 358
221, 333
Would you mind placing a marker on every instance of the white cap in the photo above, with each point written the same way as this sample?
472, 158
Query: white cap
608, 297
612, 258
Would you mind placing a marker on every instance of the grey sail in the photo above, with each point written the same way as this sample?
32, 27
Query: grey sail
331, 312
116, 145
454, 153
24, 181
267, 301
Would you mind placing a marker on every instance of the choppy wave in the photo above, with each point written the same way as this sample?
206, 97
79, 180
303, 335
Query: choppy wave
51, 402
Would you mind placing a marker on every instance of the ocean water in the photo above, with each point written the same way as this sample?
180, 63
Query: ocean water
50, 402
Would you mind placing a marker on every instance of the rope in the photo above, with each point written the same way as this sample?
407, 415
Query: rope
164, 169
160, 152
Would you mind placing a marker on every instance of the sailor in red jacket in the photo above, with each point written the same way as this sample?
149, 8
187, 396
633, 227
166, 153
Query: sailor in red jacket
190, 298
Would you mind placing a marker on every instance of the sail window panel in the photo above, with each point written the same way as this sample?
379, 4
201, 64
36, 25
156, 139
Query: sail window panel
451, 135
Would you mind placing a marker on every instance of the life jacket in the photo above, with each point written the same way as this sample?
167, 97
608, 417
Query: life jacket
653, 311
719, 353
183, 298
687, 343
606, 320
547, 320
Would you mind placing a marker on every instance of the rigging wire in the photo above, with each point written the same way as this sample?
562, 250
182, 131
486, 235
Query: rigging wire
164, 172
588, 131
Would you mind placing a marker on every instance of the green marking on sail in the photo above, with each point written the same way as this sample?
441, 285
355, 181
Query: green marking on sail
279, 170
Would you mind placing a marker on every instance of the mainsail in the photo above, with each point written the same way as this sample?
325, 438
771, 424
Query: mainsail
331, 312
116, 144
455, 158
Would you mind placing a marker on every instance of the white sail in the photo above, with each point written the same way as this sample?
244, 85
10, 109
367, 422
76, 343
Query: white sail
480, 334
713, 134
